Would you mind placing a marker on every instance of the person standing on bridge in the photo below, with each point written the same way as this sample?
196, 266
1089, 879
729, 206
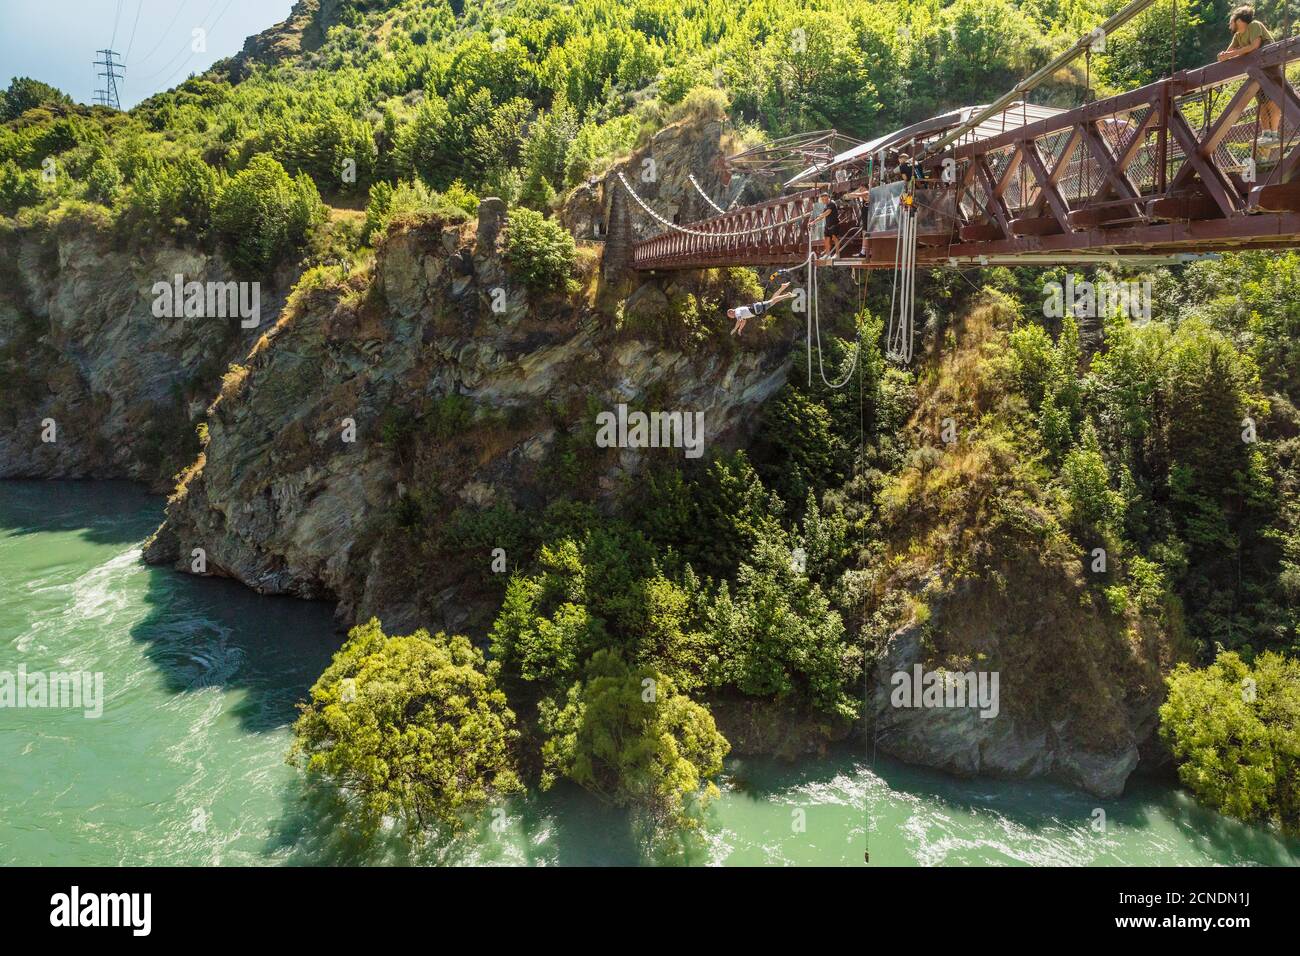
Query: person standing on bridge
817, 216
1249, 35
910, 171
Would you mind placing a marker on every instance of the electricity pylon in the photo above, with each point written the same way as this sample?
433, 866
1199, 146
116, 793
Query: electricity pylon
108, 96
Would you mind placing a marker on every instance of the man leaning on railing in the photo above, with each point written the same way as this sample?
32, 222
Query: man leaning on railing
1249, 35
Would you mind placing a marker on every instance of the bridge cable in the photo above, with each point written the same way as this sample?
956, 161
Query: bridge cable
705, 195
696, 232
708, 199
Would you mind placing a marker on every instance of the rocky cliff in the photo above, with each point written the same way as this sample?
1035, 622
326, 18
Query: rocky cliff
383, 432
986, 581
95, 385
438, 383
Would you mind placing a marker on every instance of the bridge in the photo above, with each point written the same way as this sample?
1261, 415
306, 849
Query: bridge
1171, 168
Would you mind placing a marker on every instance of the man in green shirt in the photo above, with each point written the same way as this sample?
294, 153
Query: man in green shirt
1248, 35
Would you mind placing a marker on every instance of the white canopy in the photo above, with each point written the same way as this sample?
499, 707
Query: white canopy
1016, 115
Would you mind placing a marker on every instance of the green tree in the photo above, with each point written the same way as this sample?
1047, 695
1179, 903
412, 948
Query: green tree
628, 736
409, 726
779, 638
1234, 729
24, 94
1094, 509
18, 187
539, 251
263, 214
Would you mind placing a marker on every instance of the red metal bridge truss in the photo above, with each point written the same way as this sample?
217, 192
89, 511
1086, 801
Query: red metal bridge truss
1173, 167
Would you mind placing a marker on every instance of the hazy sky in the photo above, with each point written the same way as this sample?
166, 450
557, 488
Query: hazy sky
56, 40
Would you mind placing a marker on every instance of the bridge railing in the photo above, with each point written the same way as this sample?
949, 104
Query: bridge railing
774, 232
1194, 134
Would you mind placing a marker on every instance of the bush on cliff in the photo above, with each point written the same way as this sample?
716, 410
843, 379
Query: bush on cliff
540, 251
263, 214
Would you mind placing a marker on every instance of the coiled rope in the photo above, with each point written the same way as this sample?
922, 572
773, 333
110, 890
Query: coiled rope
898, 338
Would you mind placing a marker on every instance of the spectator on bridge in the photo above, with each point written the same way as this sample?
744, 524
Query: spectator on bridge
744, 313
909, 170
1249, 35
817, 216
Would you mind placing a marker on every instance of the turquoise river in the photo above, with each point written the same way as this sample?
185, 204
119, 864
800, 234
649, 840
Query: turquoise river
186, 763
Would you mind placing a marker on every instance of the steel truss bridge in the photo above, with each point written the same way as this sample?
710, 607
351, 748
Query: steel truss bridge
1172, 168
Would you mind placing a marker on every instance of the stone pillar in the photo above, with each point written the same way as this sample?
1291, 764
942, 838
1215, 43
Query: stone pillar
491, 217
617, 261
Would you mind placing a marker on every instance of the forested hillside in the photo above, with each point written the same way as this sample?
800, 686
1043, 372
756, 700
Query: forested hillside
651, 616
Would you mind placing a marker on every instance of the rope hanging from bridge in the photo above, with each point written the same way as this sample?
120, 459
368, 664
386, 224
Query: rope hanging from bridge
898, 337
696, 232
814, 326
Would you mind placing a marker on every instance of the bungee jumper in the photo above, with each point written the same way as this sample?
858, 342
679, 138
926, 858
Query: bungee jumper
743, 313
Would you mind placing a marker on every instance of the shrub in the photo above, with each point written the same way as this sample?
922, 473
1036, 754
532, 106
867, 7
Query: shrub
627, 736
18, 187
540, 251
263, 213
1235, 730
412, 726
24, 94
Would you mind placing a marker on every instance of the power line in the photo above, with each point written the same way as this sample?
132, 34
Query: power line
166, 30
139, 8
186, 48
116, 18
184, 66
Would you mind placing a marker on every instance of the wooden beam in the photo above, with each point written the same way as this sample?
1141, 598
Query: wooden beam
1060, 210
1221, 190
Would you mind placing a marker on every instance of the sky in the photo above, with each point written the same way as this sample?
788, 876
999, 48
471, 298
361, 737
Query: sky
55, 40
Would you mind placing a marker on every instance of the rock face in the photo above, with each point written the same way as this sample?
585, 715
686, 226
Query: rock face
301, 468
81, 349
961, 741
660, 173
437, 384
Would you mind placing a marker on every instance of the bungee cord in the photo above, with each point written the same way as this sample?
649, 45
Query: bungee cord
812, 305
898, 338
814, 325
